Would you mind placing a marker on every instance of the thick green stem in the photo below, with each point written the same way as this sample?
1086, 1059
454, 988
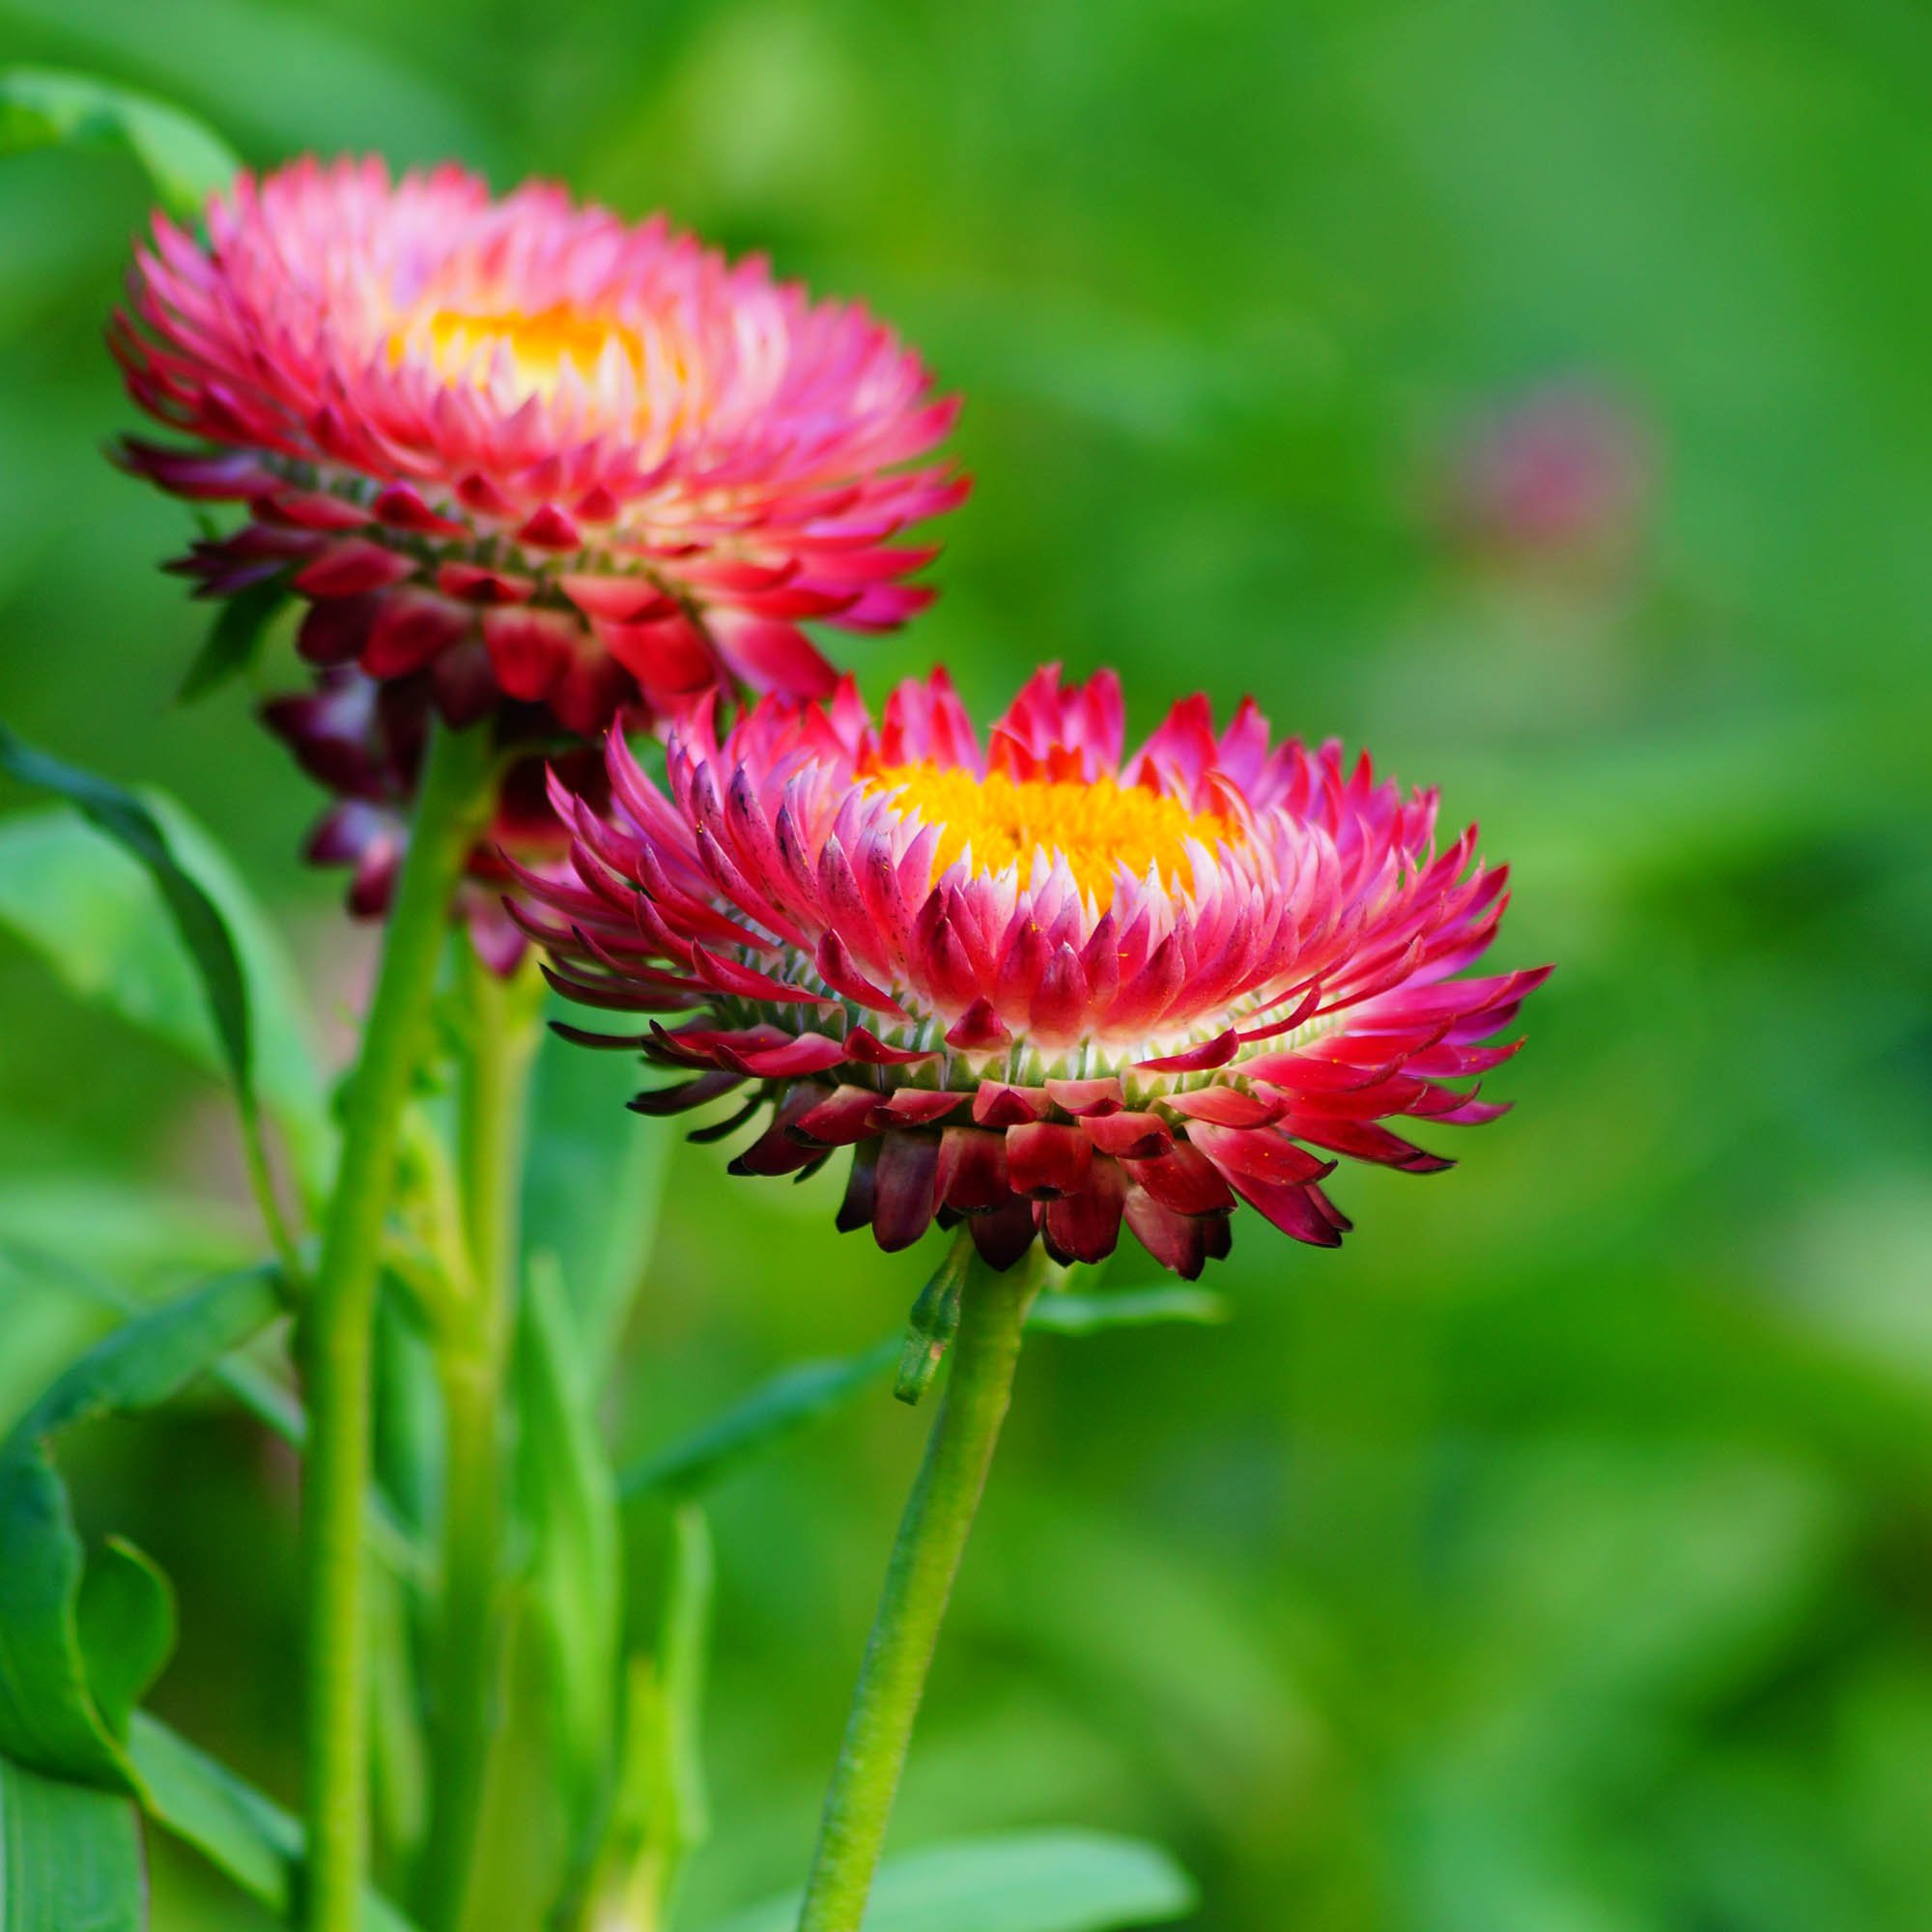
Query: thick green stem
336, 1343
919, 1581
500, 1018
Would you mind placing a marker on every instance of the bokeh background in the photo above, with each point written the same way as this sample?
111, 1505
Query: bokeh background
1536, 394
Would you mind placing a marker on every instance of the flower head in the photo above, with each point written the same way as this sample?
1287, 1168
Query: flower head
524, 448
1037, 983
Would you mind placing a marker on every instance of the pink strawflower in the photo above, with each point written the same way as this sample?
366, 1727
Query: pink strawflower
1039, 983
524, 447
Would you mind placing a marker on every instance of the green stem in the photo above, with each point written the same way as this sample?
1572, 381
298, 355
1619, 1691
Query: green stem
464, 1691
918, 1581
337, 1330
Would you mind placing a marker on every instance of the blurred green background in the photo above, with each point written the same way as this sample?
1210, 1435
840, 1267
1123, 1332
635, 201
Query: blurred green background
1537, 394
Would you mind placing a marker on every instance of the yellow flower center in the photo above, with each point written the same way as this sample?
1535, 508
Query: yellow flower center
1096, 828
463, 343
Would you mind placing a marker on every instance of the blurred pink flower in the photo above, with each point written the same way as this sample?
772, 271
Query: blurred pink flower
1561, 472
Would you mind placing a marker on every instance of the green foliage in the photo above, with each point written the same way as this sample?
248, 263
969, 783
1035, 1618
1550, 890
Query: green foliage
570, 1503
592, 1187
185, 161
79, 1644
69, 1858
234, 638
138, 911
660, 1809
1029, 1882
252, 1840
792, 1399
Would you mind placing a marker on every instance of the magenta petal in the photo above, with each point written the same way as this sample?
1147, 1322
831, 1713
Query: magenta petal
1177, 1241
916, 1106
1005, 1234
1216, 1052
1085, 1098
998, 1106
855, 1209
979, 1029
906, 1184
1086, 1227
1129, 1136
971, 1175
809, 1053
1226, 1106
864, 1045
1045, 1159
1184, 1179
1259, 1152
842, 1119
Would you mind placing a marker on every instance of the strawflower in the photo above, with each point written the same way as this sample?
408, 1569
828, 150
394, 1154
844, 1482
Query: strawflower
1040, 984
524, 449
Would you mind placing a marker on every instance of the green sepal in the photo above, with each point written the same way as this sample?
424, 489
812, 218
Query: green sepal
935, 1320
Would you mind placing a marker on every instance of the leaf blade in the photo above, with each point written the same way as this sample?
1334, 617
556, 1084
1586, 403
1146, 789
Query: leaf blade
231, 1824
186, 159
790, 1400
69, 1858
93, 911
54, 1714
1047, 1881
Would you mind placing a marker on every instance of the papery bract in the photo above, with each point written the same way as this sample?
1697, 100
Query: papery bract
1042, 983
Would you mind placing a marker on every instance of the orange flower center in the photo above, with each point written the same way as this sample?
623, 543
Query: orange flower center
1097, 827
463, 343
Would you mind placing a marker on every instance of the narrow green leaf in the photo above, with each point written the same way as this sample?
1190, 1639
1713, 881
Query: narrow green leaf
792, 1399
272, 1402
1126, 1308
576, 1583
64, 1703
69, 1858
125, 1620
186, 159
125, 820
1028, 1882
92, 908
233, 639
230, 1822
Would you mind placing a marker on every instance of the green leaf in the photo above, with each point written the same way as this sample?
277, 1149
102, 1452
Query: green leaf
68, 1676
125, 1619
186, 159
69, 1858
230, 1822
570, 1499
106, 913
1126, 1308
790, 1400
1028, 1882
233, 639
592, 1183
